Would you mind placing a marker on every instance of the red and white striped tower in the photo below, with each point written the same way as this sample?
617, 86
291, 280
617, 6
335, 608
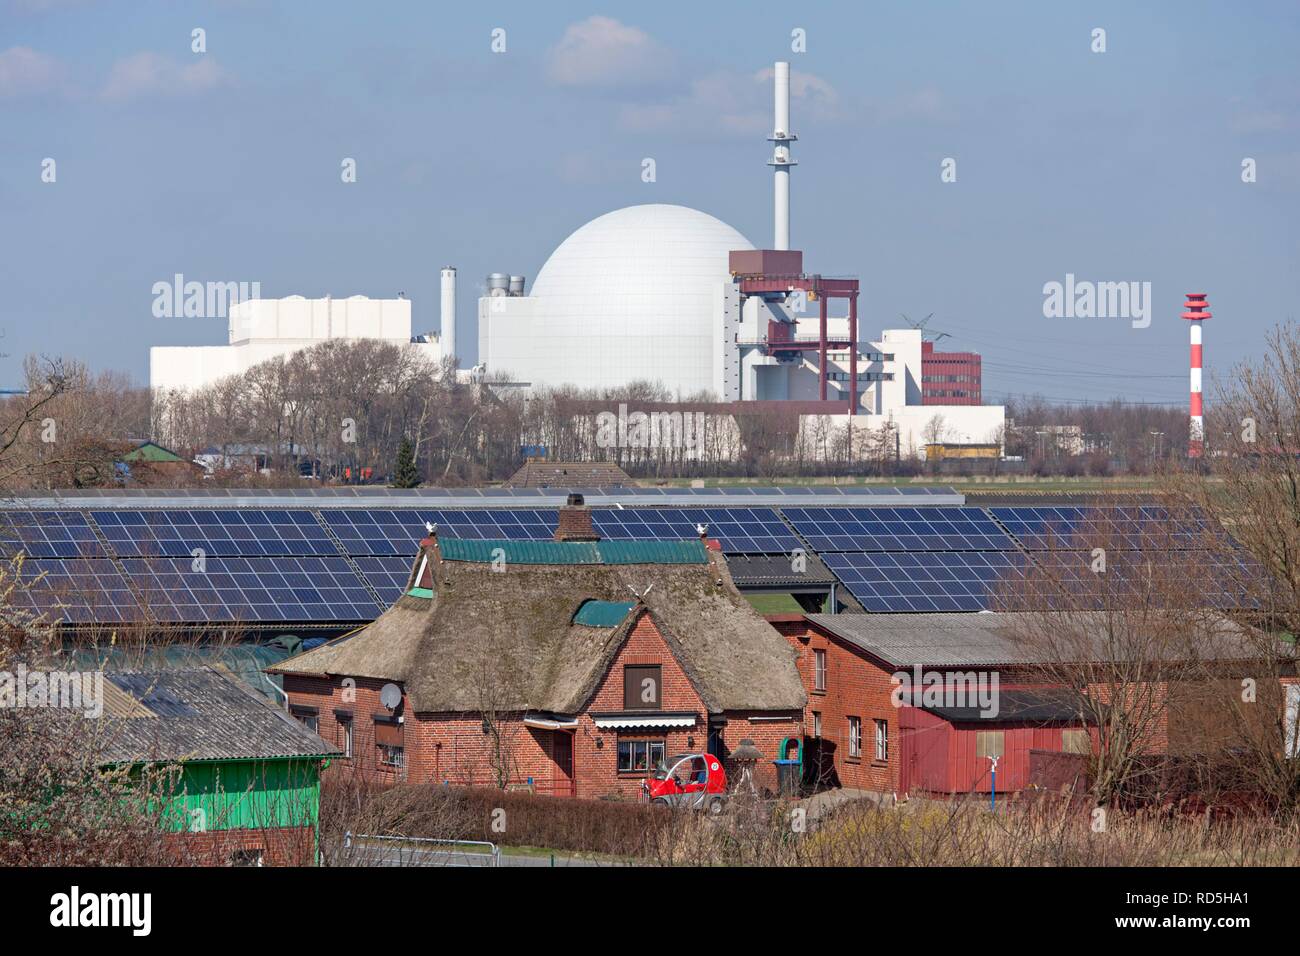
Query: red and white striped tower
1197, 311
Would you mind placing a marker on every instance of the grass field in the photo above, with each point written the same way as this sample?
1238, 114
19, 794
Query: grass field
1019, 484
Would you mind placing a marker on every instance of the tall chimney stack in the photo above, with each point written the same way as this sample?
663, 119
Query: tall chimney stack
447, 336
1198, 309
781, 162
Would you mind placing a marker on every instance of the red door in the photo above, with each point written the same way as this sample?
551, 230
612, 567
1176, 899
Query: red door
562, 754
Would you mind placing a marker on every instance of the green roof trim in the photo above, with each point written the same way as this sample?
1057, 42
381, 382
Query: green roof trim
420, 592
602, 613
690, 551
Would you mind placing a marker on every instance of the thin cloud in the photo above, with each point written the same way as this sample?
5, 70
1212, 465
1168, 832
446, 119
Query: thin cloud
732, 103
602, 52
152, 74
28, 72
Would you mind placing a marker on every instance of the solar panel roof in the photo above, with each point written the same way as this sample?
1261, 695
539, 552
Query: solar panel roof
899, 529
927, 581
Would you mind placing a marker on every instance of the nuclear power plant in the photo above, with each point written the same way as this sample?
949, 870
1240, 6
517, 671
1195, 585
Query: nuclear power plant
673, 295
660, 293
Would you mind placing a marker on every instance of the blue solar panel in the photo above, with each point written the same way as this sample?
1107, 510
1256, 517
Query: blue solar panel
388, 576
928, 581
1079, 579
252, 590
77, 591
899, 529
397, 532
48, 534
738, 530
215, 532
1144, 527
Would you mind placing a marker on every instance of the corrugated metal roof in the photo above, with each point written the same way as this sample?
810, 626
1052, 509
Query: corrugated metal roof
574, 552
993, 638
602, 613
198, 714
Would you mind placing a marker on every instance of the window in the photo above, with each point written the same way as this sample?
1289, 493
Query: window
345, 733
251, 857
641, 687
882, 740
988, 743
817, 723
1076, 742
639, 756
819, 671
309, 717
855, 736
388, 738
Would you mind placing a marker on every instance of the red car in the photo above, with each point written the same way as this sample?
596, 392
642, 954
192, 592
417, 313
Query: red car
689, 780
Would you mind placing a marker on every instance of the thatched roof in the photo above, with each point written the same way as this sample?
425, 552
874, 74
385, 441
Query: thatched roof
506, 639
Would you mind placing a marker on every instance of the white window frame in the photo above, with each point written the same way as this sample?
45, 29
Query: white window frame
819, 671
882, 740
855, 736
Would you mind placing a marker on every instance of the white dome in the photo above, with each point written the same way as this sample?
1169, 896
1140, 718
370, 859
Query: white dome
634, 294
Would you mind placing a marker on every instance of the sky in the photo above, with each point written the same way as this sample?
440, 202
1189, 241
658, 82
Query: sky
1115, 165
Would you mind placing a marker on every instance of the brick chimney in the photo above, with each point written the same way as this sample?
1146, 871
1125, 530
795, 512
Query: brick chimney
575, 522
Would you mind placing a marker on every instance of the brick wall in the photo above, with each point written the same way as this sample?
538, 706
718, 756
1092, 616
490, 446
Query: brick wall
856, 686
452, 747
284, 846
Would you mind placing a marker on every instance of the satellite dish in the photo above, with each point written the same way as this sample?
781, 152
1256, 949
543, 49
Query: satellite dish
390, 696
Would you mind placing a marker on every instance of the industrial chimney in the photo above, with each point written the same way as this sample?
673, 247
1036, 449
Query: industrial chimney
448, 314
1198, 310
781, 162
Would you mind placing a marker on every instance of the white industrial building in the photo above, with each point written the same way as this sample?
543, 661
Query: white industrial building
656, 292
653, 293
262, 329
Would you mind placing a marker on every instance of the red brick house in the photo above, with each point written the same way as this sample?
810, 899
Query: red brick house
569, 667
867, 730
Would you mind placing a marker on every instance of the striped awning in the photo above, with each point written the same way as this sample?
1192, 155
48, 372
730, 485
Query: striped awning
632, 721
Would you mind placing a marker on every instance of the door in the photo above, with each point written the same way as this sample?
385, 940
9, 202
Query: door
562, 754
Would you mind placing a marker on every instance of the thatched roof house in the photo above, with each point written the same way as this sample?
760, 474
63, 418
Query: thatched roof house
547, 654
538, 629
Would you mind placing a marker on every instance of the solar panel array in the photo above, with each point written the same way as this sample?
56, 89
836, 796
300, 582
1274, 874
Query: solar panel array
307, 564
397, 532
1144, 527
255, 590
77, 590
899, 529
223, 533
738, 530
49, 534
897, 582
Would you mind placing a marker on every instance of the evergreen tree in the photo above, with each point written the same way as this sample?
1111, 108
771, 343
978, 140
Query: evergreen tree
405, 474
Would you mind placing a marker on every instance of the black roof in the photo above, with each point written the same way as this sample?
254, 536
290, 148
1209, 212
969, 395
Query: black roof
777, 570
1020, 707
200, 713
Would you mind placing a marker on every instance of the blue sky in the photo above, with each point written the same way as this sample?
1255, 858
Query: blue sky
1115, 166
